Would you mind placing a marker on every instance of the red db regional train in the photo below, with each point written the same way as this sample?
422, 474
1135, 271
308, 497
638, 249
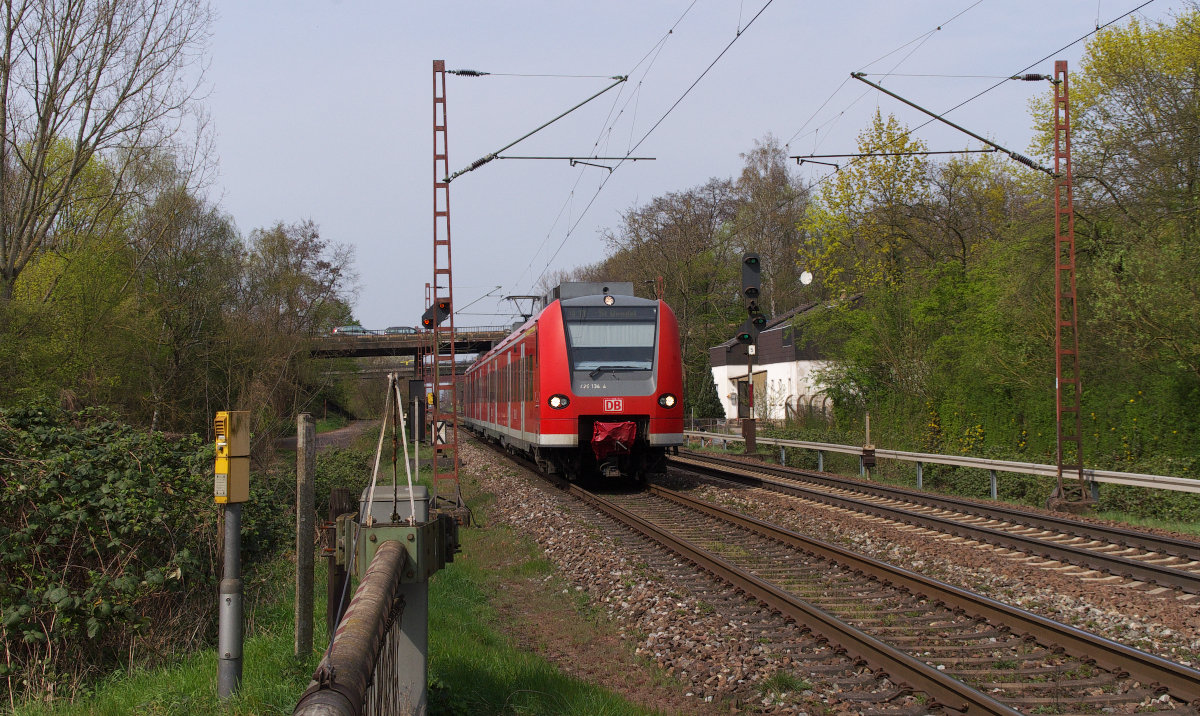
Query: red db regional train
590, 386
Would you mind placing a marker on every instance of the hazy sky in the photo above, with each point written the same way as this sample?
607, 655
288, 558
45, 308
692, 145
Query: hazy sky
323, 110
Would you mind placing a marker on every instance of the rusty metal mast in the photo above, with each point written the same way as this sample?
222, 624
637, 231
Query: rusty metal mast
447, 494
1067, 385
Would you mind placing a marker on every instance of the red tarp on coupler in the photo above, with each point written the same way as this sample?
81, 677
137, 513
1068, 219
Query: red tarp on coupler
613, 438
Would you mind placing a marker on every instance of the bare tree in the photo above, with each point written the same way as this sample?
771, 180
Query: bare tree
771, 206
87, 82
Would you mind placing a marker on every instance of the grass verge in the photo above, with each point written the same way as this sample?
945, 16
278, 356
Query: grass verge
1191, 528
272, 679
333, 422
474, 667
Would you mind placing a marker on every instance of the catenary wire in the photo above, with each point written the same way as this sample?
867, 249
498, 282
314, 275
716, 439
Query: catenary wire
670, 109
920, 38
1074, 42
655, 50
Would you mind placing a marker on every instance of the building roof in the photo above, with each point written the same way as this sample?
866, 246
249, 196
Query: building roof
775, 344
776, 322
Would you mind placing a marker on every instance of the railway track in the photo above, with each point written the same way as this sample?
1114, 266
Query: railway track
1087, 551
886, 632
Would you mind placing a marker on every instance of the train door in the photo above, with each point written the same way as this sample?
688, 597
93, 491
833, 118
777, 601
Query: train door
532, 396
492, 391
522, 393
502, 407
514, 384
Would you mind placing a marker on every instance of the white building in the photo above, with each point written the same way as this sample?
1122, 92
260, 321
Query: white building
784, 377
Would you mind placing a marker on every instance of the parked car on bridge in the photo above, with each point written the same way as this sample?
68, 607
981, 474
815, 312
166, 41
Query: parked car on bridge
399, 331
350, 331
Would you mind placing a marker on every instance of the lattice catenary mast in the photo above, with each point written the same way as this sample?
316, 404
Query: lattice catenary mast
447, 495
1067, 385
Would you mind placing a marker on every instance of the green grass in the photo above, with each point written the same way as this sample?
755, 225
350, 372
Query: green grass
474, 669
272, 678
333, 422
1172, 525
782, 682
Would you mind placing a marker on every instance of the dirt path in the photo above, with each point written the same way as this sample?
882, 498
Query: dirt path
342, 437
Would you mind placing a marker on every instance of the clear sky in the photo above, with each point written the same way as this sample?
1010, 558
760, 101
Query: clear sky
323, 110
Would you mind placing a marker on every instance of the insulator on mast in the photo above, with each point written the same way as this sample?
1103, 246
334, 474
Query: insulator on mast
1031, 78
468, 73
1024, 160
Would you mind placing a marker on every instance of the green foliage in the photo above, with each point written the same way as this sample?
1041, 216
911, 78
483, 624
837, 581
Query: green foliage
708, 404
102, 528
108, 534
272, 680
350, 468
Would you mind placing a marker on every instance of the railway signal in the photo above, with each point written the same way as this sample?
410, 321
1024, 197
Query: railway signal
748, 335
435, 315
751, 281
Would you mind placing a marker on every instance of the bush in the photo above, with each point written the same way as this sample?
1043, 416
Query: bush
105, 534
109, 535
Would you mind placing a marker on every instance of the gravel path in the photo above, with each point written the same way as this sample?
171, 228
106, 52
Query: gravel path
342, 437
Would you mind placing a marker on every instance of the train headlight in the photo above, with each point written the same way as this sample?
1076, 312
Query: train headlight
667, 400
558, 402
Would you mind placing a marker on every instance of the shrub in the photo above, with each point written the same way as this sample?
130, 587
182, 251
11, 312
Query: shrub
105, 534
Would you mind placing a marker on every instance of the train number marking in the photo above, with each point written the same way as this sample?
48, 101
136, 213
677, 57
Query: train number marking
612, 405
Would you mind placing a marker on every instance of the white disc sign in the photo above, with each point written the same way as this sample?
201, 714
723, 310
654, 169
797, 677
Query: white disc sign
806, 278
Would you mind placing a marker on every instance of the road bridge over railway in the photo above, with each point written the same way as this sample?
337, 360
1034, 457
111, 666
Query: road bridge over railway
478, 339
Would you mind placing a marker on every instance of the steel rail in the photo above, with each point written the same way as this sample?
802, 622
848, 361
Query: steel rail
899, 666
1184, 549
1181, 681
1155, 482
1108, 564
896, 664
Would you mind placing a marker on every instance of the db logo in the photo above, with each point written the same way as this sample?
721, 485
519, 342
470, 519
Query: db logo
612, 405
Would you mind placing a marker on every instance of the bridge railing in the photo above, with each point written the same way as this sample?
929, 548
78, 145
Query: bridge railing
358, 675
1159, 482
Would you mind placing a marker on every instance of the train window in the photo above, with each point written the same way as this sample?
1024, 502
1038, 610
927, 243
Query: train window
603, 339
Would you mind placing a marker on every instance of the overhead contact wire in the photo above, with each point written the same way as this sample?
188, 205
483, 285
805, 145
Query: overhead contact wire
1081, 38
655, 50
920, 38
651, 130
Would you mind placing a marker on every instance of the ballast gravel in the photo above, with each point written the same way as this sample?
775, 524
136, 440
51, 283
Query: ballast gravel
715, 657
1158, 624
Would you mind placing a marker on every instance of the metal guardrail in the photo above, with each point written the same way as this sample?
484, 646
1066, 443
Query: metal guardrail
344, 683
1158, 482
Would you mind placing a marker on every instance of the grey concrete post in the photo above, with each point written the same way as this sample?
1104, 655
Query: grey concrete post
306, 467
412, 656
229, 610
920, 476
782, 455
1095, 490
820, 461
862, 468
993, 483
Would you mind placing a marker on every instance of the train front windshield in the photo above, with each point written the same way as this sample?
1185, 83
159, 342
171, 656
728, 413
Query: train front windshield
610, 338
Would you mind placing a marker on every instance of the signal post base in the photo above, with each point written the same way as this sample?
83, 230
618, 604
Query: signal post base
1072, 499
749, 432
